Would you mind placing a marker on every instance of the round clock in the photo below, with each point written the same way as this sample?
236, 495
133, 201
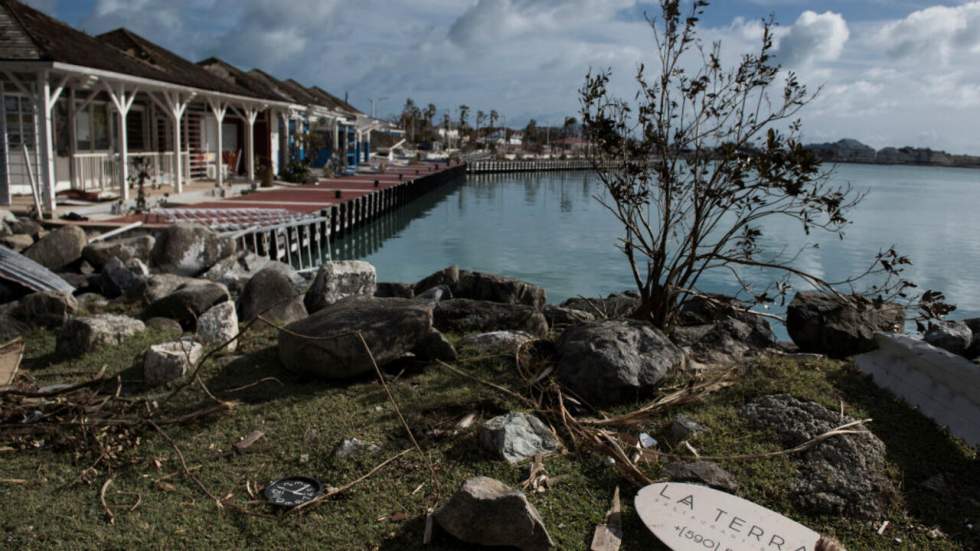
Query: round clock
293, 491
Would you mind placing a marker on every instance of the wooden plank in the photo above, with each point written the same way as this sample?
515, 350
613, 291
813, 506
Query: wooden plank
11, 354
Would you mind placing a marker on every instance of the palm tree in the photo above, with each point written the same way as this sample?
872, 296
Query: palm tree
446, 123
408, 118
480, 117
428, 115
494, 117
464, 115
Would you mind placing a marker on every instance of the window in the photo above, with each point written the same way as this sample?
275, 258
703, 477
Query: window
83, 129
19, 112
135, 138
92, 128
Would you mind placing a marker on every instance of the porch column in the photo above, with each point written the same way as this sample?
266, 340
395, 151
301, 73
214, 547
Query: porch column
5, 194
275, 141
48, 99
174, 106
340, 153
218, 109
122, 101
251, 113
286, 151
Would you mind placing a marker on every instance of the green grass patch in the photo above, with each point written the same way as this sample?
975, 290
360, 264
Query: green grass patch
304, 420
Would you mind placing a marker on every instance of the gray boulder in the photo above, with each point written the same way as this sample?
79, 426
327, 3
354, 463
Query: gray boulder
952, 336
391, 327
58, 249
435, 294
88, 334
275, 293
235, 271
339, 280
189, 249
843, 475
188, 303
395, 290
704, 472
119, 278
25, 226
487, 512
469, 316
167, 362
610, 361
138, 247
46, 309
434, 347
18, 242
724, 341
562, 317
484, 286
516, 437
821, 323
615, 306
218, 326
158, 286
164, 325
504, 343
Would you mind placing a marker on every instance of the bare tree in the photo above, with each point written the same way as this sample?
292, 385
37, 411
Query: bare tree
704, 157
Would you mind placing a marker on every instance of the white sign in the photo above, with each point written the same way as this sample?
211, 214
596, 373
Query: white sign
689, 517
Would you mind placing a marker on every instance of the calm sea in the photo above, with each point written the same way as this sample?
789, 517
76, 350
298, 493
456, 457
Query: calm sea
549, 229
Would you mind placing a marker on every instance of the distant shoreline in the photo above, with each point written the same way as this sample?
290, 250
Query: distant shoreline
854, 152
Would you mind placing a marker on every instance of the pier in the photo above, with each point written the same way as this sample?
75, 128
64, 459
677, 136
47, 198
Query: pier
538, 165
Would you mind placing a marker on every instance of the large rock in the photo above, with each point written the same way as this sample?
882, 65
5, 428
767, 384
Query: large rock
18, 242
484, 286
562, 317
610, 361
724, 341
119, 278
158, 286
89, 334
391, 327
395, 290
58, 249
516, 437
275, 293
235, 271
843, 475
704, 472
189, 249
953, 336
469, 316
487, 512
615, 306
824, 324
46, 309
170, 361
10, 326
503, 343
339, 280
188, 303
218, 326
125, 249
435, 347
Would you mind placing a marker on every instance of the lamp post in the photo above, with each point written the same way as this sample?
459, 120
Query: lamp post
374, 106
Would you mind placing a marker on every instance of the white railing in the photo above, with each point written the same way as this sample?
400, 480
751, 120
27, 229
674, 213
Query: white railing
100, 171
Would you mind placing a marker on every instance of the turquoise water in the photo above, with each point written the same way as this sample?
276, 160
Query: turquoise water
550, 230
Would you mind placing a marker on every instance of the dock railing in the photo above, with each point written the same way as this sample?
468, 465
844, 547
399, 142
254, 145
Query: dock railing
536, 165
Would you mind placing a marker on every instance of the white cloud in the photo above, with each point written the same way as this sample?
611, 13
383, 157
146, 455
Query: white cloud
815, 37
940, 33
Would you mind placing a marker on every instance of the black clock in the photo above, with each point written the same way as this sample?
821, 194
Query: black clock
293, 491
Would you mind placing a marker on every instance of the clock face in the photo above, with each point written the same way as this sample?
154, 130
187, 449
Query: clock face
293, 491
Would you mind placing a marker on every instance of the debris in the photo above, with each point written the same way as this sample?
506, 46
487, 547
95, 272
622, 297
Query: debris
684, 428
246, 442
11, 354
609, 535
647, 441
350, 447
883, 527
705, 472
293, 491
466, 422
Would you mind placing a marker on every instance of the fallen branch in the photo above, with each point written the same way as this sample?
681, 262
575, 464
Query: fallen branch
110, 517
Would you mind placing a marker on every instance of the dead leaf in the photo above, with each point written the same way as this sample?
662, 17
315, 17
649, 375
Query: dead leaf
246, 442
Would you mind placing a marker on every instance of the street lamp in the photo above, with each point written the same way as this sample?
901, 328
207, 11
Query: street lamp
374, 106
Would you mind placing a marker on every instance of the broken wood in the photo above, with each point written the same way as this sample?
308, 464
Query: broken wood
247, 441
609, 535
11, 355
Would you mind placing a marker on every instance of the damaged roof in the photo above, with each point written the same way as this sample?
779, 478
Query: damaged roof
258, 86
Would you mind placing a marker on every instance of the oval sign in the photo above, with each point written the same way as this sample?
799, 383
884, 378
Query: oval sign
689, 517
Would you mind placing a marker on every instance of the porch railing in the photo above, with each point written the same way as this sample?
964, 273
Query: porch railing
100, 171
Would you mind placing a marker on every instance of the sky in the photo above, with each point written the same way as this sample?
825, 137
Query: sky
892, 72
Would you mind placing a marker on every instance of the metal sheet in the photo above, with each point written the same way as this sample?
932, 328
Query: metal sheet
21, 270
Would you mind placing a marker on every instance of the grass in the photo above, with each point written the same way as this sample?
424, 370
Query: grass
304, 420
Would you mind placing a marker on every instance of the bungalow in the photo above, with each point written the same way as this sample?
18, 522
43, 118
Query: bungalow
79, 111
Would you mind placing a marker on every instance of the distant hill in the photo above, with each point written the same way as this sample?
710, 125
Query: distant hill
853, 151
